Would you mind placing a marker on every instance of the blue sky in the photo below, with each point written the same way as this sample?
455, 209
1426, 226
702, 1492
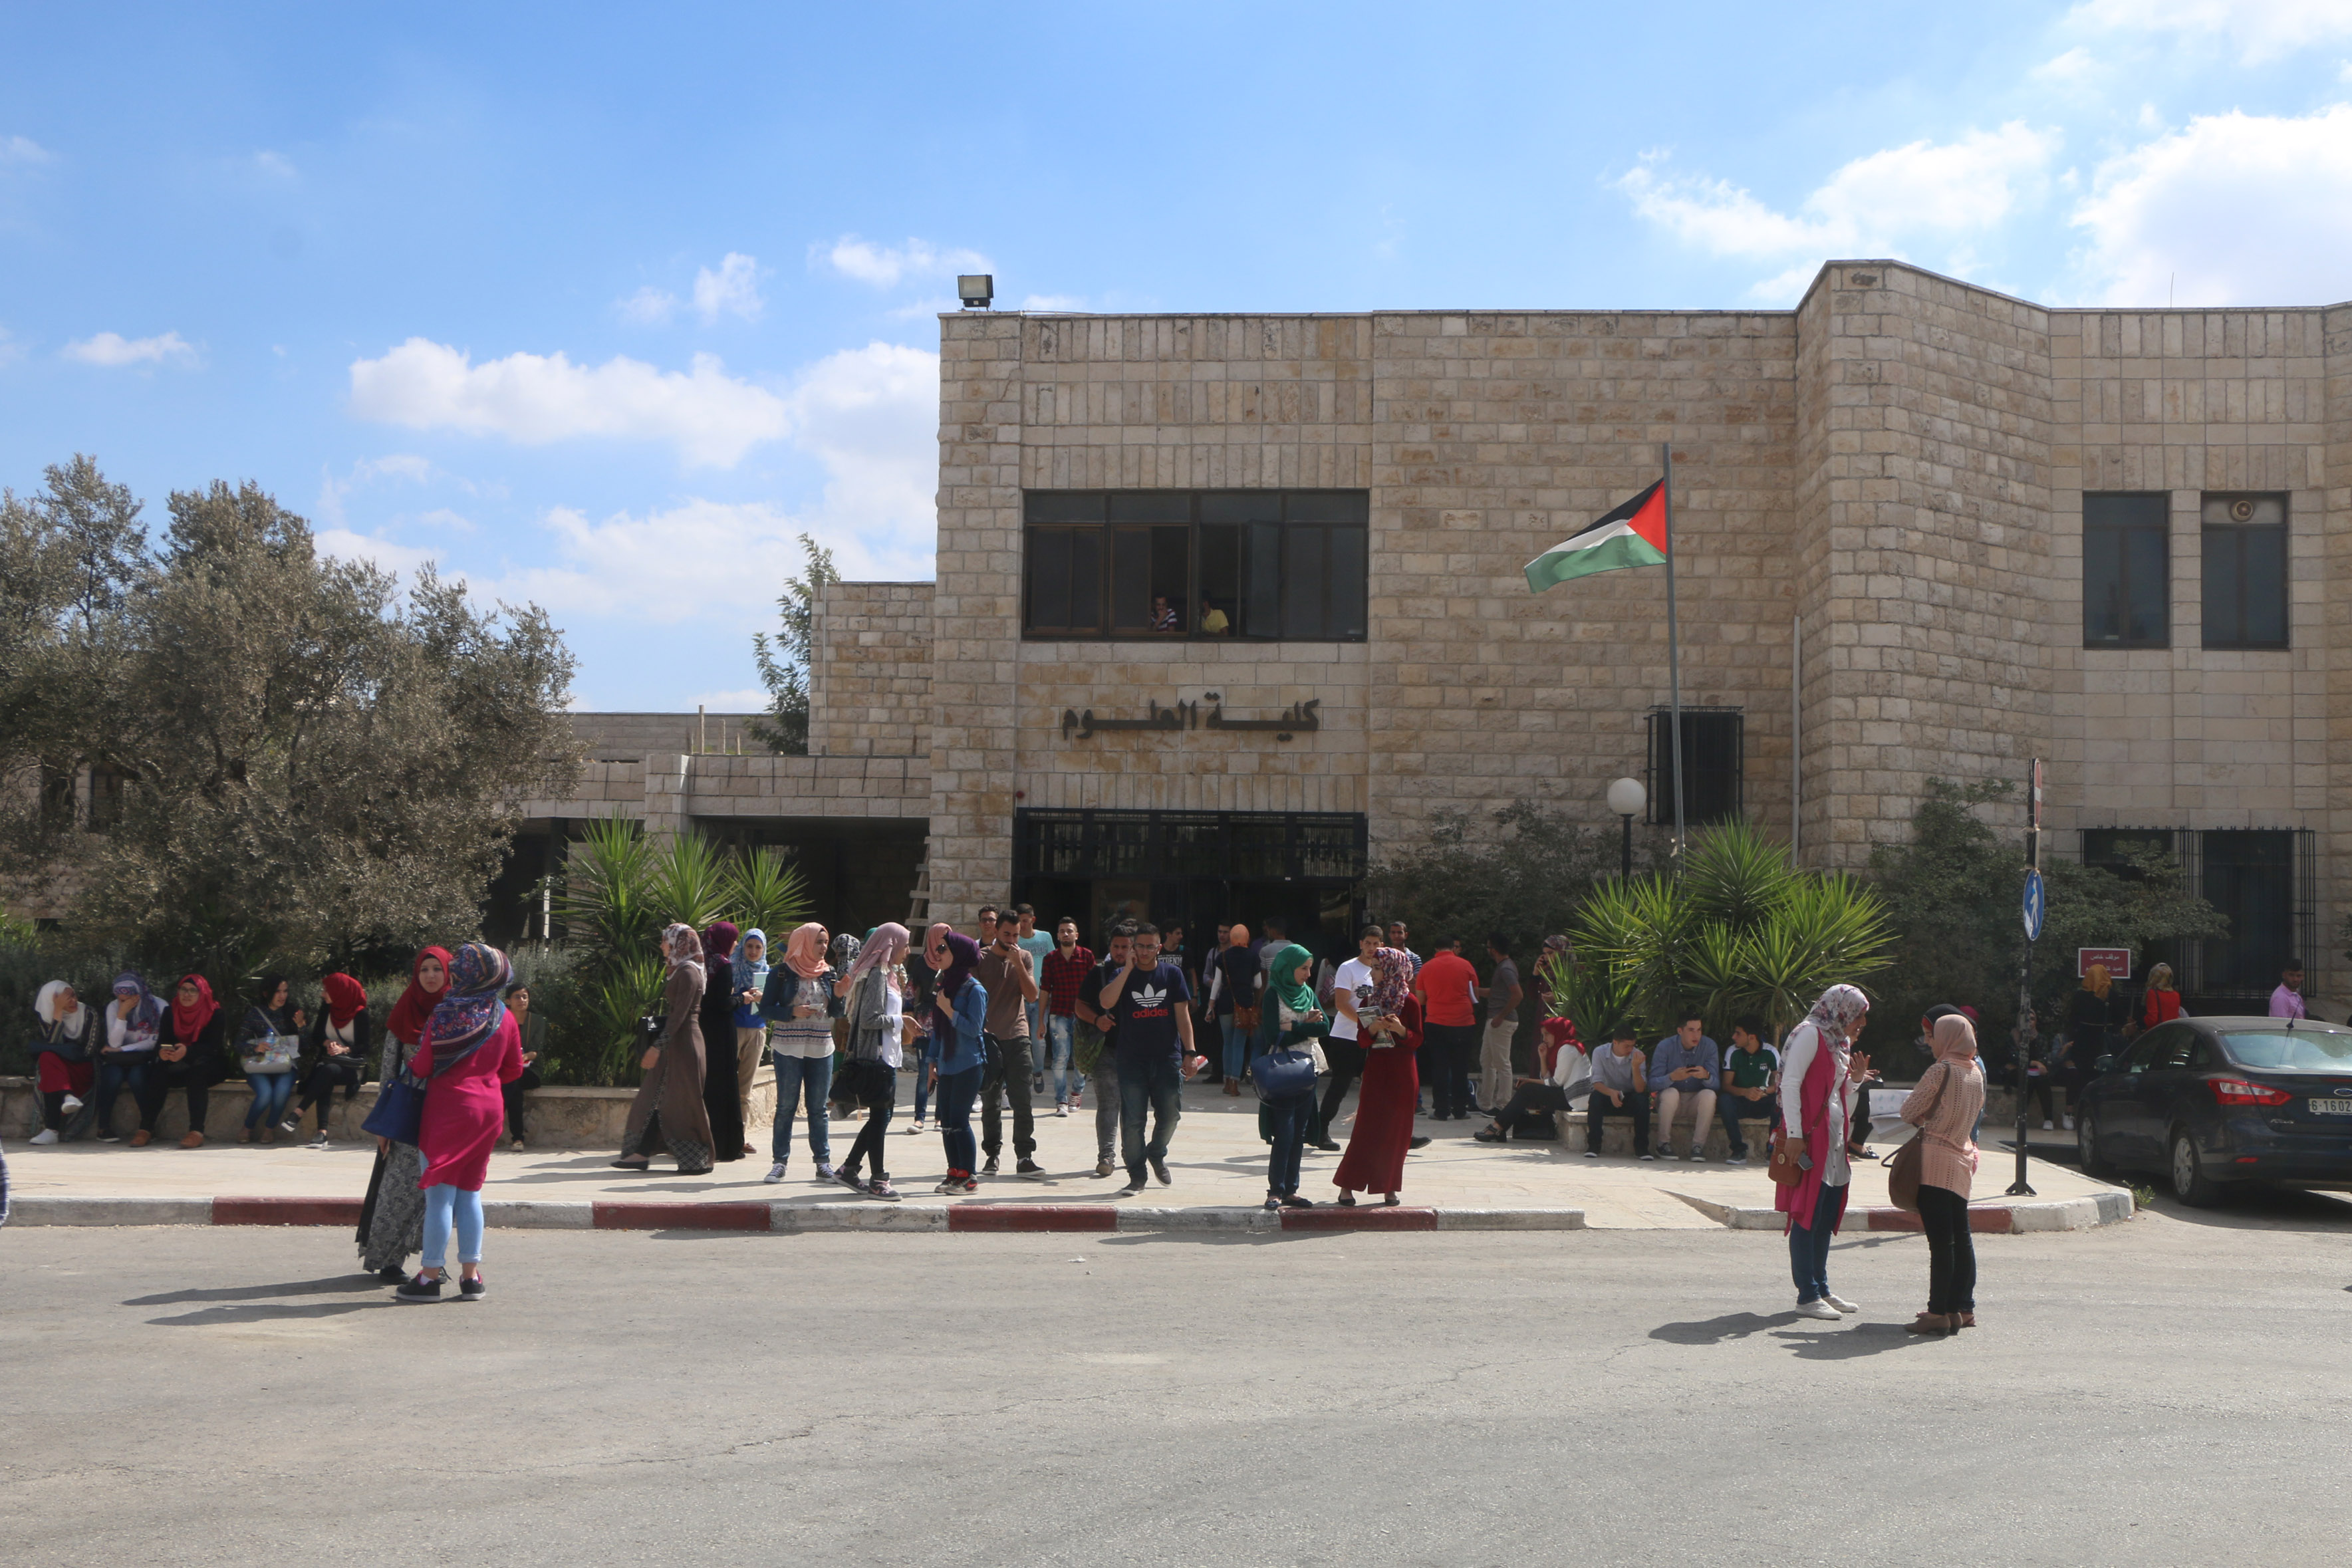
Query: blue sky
600, 307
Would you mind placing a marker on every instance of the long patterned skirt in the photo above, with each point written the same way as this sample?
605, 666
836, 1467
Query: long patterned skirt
392, 1220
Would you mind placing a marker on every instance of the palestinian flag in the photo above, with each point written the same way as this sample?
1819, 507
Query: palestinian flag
1633, 535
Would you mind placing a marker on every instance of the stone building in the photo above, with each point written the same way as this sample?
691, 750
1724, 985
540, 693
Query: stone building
1225, 602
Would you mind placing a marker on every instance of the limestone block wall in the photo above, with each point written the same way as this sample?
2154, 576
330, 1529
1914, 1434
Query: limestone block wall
870, 672
2335, 614
2184, 402
1922, 531
1497, 435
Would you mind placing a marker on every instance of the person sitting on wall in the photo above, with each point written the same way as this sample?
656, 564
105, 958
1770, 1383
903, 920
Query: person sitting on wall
1619, 1087
1533, 1101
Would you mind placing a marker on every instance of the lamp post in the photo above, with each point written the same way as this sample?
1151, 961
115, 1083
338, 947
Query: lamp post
1626, 798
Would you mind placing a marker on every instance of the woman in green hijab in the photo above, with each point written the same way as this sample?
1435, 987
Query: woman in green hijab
1289, 1002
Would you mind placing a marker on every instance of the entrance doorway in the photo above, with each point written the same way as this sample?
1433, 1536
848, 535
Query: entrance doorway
1194, 870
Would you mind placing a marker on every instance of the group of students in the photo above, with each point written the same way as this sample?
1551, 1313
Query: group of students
86, 1058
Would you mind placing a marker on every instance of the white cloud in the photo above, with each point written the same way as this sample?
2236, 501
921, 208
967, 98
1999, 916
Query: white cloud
1887, 203
114, 349
22, 150
2262, 29
886, 266
10, 349
869, 416
276, 165
711, 417
2231, 209
2073, 66
732, 290
649, 307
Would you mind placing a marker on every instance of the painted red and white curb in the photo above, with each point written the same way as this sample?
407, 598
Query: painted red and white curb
982, 1217
1999, 1218
1991, 1218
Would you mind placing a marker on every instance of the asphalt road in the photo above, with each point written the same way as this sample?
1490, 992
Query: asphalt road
2169, 1391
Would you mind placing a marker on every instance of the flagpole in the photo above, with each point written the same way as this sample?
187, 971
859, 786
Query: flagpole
1673, 649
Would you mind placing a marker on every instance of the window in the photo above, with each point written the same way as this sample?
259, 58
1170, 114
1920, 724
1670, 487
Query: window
2107, 848
105, 797
1288, 564
2163, 1048
1712, 749
2245, 570
2248, 878
2127, 571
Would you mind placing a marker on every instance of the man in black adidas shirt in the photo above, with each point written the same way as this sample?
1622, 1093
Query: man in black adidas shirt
1153, 1047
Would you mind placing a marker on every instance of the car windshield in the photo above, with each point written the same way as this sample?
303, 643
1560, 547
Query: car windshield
2291, 1051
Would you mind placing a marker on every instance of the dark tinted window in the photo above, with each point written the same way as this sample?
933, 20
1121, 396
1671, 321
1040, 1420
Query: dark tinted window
2127, 571
2248, 878
2245, 571
1713, 742
1247, 564
2168, 1046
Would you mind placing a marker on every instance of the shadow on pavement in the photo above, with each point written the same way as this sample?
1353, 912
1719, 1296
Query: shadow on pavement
1858, 1340
338, 1284
270, 1314
1716, 1331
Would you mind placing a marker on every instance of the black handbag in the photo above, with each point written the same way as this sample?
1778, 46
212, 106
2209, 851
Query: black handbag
1284, 1072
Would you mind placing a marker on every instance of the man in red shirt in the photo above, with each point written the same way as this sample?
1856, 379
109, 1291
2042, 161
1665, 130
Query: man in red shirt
1066, 975
1448, 988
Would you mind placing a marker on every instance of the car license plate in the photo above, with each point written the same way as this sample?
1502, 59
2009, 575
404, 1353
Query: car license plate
2331, 1108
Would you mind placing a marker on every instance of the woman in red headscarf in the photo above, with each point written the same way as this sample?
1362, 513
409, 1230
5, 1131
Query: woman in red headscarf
338, 1045
1374, 1162
392, 1219
191, 1045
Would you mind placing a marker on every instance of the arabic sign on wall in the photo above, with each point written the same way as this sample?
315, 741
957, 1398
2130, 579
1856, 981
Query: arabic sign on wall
1299, 718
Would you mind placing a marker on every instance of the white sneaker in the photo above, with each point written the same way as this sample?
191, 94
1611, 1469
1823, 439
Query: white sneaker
1061, 1110
1840, 1302
2046, 1127
45, 1135
2067, 1121
1821, 1310
72, 1103
775, 1172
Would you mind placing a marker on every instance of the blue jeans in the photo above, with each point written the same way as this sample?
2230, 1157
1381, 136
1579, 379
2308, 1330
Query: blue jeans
956, 1092
271, 1090
803, 1080
443, 1204
1809, 1249
1731, 1108
1237, 1045
926, 1056
134, 1073
1292, 1116
1061, 1046
1155, 1086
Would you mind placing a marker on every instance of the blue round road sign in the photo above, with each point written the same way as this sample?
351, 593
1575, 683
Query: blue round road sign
2033, 906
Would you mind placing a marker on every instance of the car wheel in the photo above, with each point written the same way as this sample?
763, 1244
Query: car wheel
2188, 1182
2087, 1146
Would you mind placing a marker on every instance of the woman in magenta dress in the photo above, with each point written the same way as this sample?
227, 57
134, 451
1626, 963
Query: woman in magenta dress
471, 1050
1374, 1162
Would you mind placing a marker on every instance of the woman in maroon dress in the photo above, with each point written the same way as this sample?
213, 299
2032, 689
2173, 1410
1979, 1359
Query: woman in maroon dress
1374, 1162
472, 1049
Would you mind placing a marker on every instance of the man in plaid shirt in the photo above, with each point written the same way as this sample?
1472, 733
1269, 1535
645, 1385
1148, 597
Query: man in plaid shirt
1064, 978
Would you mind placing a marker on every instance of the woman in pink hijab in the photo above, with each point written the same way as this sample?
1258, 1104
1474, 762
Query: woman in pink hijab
800, 1006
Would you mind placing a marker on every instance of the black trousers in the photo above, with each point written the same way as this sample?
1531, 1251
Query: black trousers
1450, 1049
319, 1088
513, 1092
1531, 1104
875, 1086
1951, 1250
1637, 1106
1346, 1060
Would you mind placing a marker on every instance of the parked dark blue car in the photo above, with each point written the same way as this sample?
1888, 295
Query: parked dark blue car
2211, 1102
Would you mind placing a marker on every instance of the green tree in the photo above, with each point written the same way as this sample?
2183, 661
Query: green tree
1952, 894
785, 663
317, 771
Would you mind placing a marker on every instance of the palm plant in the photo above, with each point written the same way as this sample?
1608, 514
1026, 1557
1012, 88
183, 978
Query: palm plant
1740, 930
1594, 996
628, 990
602, 893
686, 880
765, 889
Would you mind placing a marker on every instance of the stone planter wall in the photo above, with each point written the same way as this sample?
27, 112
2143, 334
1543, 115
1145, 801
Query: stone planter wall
553, 1117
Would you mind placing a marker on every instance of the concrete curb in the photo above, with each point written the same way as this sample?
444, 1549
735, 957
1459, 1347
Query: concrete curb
1987, 1219
982, 1218
986, 1219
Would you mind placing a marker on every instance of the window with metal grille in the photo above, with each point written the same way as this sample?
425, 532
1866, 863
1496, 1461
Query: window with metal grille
2264, 882
2127, 571
1262, 564
2245, 571
1312, 846
1714, 744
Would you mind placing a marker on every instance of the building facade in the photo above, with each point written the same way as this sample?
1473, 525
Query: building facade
1226, 604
